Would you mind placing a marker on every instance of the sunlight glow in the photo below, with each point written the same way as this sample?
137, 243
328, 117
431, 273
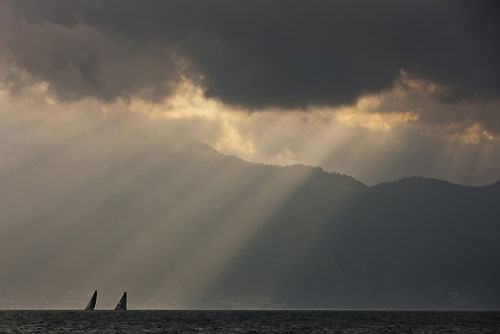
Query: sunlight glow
69, 161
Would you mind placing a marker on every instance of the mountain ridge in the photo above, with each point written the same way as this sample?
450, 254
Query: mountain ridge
403, 179
192, 228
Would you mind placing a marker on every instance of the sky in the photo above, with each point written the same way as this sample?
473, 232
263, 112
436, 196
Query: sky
103, 105
376, 91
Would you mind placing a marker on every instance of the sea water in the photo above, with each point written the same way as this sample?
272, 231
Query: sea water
249, 322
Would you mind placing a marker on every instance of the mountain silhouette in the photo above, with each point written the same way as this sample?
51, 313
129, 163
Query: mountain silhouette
190, 227
413, 243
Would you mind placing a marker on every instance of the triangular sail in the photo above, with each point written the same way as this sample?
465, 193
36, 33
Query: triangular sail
93, 300
122, 304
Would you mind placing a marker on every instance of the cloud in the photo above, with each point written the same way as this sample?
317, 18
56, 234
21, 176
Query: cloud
258, 54
339, 74
414, 100
81, 62
397, 133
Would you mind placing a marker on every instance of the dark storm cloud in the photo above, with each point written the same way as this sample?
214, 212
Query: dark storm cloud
81, 61
259, 54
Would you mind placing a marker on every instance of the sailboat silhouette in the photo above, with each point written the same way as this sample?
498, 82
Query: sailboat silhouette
122, 304
93, 300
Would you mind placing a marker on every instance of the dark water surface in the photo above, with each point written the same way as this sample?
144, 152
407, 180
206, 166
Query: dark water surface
249, 322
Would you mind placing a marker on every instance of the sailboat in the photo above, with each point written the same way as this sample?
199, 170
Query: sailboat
93, 300
122, 304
